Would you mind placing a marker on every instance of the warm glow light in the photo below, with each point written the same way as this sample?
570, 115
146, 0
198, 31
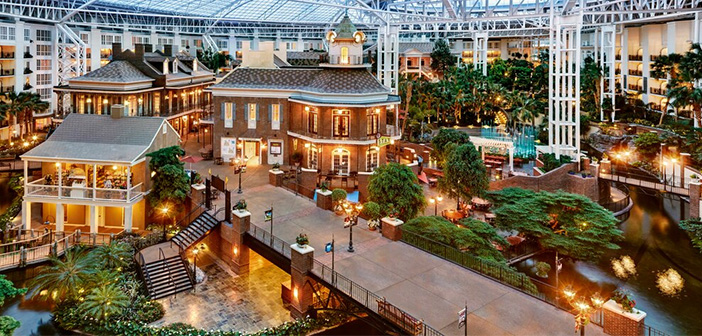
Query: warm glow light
569, 293
88, 100
196, 251
670, 282
439, 198
58, 164
105, 101
114, 167
34, 137
205, 130
236, 251
140, 100
153, 173
295, 294
582, 306
164, 210
432, 201
25, 144
307, 145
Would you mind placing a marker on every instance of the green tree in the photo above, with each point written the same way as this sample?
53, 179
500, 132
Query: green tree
21, 108
8, 289
590, 94
648, 144
477, 239
104, 301
213, 60
112, 256
682, 90
570, 224
663, 66
693, 226
8, 324
465, 174
442, 144
170, 183
441, 58
397, 184
65, 277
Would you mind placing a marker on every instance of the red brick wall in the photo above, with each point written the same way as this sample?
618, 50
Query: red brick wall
557, 179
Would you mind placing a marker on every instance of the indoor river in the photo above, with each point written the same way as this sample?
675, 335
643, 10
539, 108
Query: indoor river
656, 243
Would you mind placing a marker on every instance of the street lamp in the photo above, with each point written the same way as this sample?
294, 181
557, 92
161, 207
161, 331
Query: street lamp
195, 252
239, 168
436, 200
352, 212
164, 211
583, 308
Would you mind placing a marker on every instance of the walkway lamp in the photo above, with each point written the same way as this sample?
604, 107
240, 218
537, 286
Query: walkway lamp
352, 212
239, 168
436, 200
195, 252
583, 308
164, 212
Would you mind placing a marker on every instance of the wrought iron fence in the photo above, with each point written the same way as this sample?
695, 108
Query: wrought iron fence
501, 273
273, 242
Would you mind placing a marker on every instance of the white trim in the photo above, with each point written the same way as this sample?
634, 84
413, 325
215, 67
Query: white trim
157, 134
85, 201
331, 141
293, 100
78, 161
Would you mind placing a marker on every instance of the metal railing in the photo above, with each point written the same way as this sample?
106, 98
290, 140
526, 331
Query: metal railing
273, 242
620, 205
494, 270
646, 184
37, 254
38, 188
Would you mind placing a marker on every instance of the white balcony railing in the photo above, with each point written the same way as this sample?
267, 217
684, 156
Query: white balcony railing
38, 188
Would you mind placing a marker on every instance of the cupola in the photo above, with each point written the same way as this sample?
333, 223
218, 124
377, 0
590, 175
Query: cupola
345, 45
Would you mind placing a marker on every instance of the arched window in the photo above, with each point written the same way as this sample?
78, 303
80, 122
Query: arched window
372, 158
312, 157
340, 161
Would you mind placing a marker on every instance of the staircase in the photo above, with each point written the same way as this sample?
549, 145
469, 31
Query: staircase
166, 276
195, 231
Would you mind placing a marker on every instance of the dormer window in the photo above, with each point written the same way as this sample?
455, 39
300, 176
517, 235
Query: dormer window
195, 65
165, 66
344, 55
175, 66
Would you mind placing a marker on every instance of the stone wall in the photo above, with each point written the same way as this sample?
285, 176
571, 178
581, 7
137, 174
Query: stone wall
557, 179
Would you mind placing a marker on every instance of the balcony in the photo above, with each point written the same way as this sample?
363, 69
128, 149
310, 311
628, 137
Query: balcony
5, 89
617, 71
27, 86
6, 73
637, 58
28, 71
390, 131
40, 188
7, 55
655, 57
618, 57
638, 88
636, 72
659, 91
27, 55
349, 60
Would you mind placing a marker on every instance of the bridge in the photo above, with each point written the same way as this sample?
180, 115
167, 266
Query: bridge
393, 318
638, 182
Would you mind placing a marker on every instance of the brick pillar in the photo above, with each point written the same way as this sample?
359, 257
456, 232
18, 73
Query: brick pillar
233, 249
301, 261
391, 228
308, 182
363, 179
604, 186
197, 193
324, 200
684, 160
275, 177
620, 323
695, 188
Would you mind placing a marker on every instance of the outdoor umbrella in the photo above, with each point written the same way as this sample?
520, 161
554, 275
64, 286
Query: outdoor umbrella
191, 159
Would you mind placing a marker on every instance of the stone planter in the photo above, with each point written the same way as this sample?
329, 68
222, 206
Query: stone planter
618, 322
391, 228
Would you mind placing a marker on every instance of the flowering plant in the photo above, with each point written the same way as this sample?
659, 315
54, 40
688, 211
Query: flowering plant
302, 239
624, 299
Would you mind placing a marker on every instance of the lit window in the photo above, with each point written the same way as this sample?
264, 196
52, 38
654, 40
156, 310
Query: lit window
341, 123
344, 55
372, 158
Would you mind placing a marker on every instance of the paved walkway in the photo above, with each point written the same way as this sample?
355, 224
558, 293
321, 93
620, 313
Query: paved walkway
229, 302
425, 286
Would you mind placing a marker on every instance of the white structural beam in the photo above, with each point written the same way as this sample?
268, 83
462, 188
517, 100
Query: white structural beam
607, 53
388, 56
480, 49
564, 85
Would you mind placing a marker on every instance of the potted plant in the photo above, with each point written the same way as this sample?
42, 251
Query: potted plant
302, 240
324, 186
571, 172
392, 212
338, 196
624, 299
695, 178
372, 211
605, 157
583, 174
276, 166
296, 158
542, 269
240, 205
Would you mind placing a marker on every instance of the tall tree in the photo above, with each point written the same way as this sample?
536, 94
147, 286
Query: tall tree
682, 89
442, 144
662, 67
21, 109
571, 224
104, 301
590, 93
213, 60
397, 184
64, 278
441, 58
465, 175
170, 182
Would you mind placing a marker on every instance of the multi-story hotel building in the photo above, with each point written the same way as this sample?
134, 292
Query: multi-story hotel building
162, 83
337, 115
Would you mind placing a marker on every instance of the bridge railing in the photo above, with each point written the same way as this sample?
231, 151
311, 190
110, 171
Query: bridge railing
274, 242
646, 184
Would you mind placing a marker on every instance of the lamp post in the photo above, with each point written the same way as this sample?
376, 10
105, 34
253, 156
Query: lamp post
352, 212
195, 252
675, 161
583, 308
164, 211
436, 200
239, 168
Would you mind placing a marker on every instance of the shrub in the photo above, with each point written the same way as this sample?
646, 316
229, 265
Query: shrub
338, 195
371, 210
296, 157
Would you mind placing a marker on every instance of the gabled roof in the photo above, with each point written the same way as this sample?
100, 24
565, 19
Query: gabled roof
116, 72
99, 138
317, 80
346, 28
423, 47
279, 62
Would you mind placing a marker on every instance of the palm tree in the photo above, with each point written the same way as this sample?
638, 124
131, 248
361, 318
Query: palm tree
112, 256
104, 301
21, 108
64, 279
12, 110
524, 107
663, 66
682, 90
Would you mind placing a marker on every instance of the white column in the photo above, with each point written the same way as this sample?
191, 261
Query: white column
511, 159
59, 217
95, 43
231, 45
300, 43
128, 218
26, 174
92, 214
94, 181
127, 40
27, 215
19, 55
60, 180
129, 183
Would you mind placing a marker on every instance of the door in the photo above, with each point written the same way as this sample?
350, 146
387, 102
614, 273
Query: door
275, 152
340, 161
250, 151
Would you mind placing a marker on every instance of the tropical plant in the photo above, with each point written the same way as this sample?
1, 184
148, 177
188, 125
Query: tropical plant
465, 175
570, 224
302, 239
666, 65
213, 59
8, 289
112, 256
65, 277
338, 195
21, 109
682, 90
648, 144
444, 142
542, 269
8, 324
104, 301
524, 109
371, 210
170, 182
693, 226
397, 184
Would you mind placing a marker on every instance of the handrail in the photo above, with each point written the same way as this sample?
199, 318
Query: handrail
162, 256
190, 272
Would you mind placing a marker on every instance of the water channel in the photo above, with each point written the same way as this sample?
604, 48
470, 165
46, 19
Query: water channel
656, 243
